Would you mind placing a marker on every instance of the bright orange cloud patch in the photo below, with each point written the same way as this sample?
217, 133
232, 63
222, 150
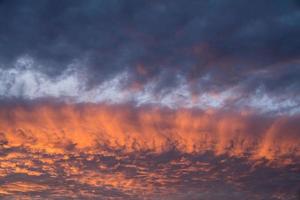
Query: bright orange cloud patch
90, 127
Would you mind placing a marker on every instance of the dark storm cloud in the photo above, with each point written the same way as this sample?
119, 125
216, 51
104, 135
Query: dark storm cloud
224, 40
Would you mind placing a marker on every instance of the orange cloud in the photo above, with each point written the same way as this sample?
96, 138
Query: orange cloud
92, 127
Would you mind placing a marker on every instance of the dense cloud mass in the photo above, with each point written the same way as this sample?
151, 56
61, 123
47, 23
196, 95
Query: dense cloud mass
160, 99
251, 48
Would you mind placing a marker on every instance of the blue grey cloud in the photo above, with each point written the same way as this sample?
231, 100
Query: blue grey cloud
225, 39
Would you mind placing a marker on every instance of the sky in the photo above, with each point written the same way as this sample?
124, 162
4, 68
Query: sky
114, 99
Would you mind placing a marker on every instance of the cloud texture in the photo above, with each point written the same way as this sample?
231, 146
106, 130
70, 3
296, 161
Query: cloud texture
150, 99
211, 46
92, 151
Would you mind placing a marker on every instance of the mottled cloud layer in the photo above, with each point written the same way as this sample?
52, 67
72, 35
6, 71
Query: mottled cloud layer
123, 152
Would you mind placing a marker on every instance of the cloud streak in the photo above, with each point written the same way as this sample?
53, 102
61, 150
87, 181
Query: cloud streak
60, 127
24, 82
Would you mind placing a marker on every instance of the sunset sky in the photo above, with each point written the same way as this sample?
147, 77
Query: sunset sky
160, 99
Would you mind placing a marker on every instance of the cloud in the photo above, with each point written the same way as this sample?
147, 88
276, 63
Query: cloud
229, 42
25, 82
91, 150
60, 127
149, 99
